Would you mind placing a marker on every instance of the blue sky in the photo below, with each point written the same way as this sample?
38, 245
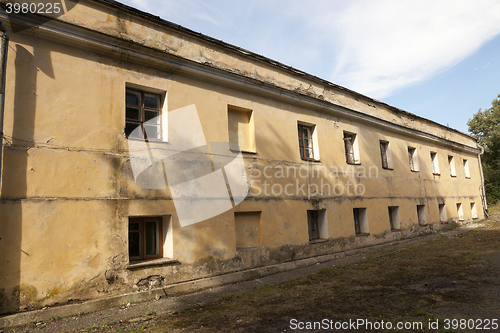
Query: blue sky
437, 59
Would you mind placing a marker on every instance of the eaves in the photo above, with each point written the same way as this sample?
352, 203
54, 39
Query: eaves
126, 50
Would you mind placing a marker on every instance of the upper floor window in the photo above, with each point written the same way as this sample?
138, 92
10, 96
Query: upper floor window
386, 153
351, 148
466, 168
143, 111
434, 163
413, 158
451, 162
308, 141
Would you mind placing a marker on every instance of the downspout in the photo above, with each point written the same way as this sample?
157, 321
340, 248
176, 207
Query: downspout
4, 47
483, 190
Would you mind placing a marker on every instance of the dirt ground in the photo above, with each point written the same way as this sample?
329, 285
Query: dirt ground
451, 280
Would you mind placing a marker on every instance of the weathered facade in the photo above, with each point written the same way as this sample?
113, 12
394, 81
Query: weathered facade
328, 169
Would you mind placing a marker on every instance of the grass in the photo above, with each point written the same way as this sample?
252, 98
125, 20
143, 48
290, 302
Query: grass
396, 285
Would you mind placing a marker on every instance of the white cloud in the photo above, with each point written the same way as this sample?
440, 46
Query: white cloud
373, 47
390, 44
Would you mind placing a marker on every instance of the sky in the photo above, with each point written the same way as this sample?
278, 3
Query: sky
437, 59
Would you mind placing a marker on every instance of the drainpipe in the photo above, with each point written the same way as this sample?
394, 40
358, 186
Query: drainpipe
4, 47
485, 204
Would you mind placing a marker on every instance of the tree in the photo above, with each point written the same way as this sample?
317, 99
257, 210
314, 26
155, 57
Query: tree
485, 127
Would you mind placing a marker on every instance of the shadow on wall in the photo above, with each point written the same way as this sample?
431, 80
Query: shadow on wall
14, 185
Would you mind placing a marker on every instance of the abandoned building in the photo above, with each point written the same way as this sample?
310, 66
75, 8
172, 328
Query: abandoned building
137, 153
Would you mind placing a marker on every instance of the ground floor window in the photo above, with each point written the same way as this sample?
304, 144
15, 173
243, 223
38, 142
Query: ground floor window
361, 221
145, 238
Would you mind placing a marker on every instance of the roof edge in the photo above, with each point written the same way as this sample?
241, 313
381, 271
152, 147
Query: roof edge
247, 53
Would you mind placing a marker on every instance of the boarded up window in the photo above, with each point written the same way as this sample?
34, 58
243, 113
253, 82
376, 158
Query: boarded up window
241, 129
247, 226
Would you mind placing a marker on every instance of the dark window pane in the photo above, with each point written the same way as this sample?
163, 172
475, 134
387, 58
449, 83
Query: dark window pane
130, 127
383, 150
390, 218
348, 150
134, 227
133, 98
309, 153
151, 101
151, 115
134, 244
133, 113
410, 157
312, 217
356, 221
151, 238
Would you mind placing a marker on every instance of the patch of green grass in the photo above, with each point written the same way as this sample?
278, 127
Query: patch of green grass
426, 315
270, 288
326, 271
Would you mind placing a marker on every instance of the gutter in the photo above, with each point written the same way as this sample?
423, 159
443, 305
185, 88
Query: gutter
483, 190
4, 47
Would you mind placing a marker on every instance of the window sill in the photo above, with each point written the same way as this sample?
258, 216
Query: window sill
436, 174
454, 176
388, 168
147, 140
311, 160
319, 240
396, 230
244, 151
444, 222
362, 234
153, 262
415, 170
467, 177
354, 163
